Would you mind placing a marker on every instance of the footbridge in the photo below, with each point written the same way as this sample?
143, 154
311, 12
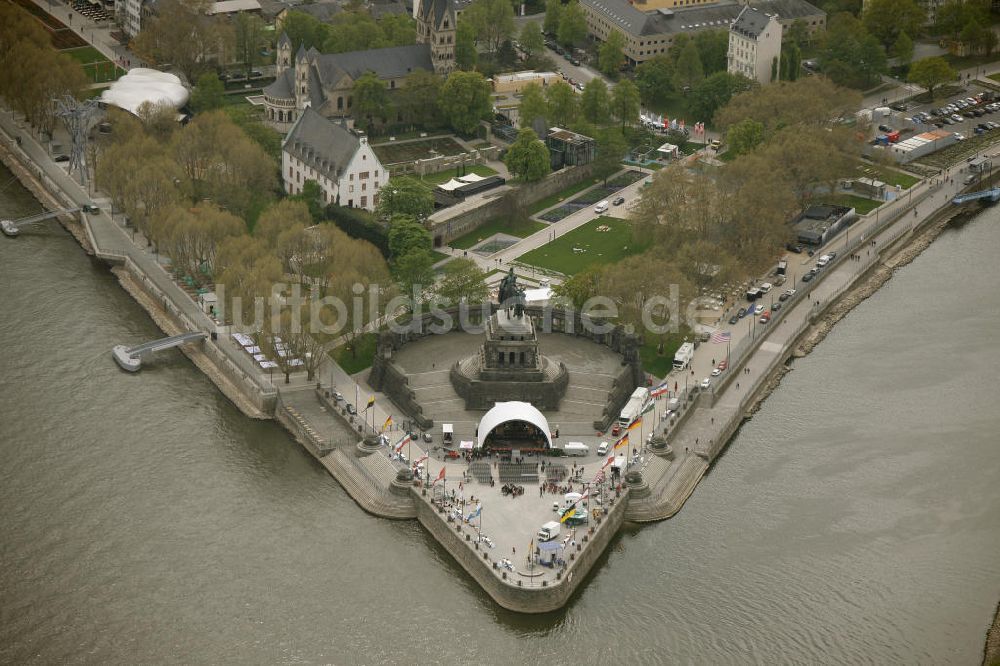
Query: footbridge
130, 358
992, 195
13, 227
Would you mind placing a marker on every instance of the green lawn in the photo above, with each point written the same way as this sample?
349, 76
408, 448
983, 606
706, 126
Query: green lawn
862, 205
439, 256
659, 365
585, 247
352, 363
553, 199
521, 227
85, 55
887, 175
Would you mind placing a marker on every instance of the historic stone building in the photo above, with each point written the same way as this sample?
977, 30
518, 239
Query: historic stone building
325, 81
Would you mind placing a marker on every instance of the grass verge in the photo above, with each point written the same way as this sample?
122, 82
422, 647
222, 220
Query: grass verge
519, 227
553, 199
352, 361
585, 247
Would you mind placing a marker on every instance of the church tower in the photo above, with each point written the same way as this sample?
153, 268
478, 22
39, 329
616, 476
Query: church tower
437, 25
301, 79
284, 59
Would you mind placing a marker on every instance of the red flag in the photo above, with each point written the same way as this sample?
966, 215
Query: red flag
440, 477
607, 462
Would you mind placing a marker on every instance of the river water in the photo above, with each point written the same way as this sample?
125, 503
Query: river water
143, 519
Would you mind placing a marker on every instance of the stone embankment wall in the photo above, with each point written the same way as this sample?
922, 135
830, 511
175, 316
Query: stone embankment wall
35, 181
243, 392
532, 598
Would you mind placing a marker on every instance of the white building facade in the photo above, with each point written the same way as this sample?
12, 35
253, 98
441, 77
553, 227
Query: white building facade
338, 158
755, 46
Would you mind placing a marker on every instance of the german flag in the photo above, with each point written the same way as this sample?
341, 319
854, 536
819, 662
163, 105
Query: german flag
371, 403
388, 422
635, 424
568, 513
622, 442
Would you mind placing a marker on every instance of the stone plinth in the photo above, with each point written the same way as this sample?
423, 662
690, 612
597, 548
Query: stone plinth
508, 367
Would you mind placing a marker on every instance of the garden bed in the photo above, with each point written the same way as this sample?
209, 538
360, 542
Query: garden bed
396, 153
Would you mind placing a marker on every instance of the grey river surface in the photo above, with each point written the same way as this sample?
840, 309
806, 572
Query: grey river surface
143, 519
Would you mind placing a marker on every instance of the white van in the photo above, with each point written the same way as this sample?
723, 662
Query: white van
602, 449
601, 207
576, 449
766, 287
549, 531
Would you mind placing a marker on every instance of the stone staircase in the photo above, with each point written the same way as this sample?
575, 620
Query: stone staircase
373, 498
672, 490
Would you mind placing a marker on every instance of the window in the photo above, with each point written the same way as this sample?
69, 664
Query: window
364, 202
364, 186
350, 203
350, 189
363, 175
351, 177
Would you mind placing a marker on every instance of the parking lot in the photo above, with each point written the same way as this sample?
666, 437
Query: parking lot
973, 112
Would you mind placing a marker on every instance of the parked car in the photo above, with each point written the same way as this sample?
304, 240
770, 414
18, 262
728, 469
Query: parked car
706, 382
734, 319
351, 409
428, 437
766, 317
794, 247
808, 276
90, 208
716, 372
777, 306
742, 312
758, 309
618, 201
959, 136
61, 158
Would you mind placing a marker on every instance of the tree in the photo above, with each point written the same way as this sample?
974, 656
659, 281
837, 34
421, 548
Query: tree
625, 102
462, 281
563, 103
655, 79
713, 49
902, 50
744, 136
249, 39
465, 100
930, 73
553, 15
532, 41
849, 55
493, 21
192, 237
406, 235
280, 216
953, 15
181, 33
611, 150
404, 195
312, 196
528, 158
886, 19
414, 272
466, 54
370, 98
533, 105
687, 69
713, 93
611, 55
973, 35
572, 25
246, 270
208, 93
595, 102
418, 98
812, 100
579, 288
791, 61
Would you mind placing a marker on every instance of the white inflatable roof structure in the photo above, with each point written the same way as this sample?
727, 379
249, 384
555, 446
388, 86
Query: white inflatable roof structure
512, 411
145, 85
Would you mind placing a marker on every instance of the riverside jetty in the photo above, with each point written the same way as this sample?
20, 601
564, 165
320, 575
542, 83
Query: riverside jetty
491, 534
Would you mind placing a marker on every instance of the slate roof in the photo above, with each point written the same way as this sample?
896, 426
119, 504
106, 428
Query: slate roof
436, 9
283, 85
325, 145
751, 22
389, 63
694, 19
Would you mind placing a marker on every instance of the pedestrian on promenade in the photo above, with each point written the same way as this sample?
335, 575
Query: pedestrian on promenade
737, 386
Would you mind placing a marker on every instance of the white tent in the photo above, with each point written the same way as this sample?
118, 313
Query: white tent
503, 412
451, 185
142, 85
471, 178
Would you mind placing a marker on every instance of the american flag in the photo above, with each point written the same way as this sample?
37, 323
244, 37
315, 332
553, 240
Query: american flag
721, 336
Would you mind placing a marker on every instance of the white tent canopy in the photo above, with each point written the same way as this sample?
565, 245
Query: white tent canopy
451, 185
503, 412
471, 178
142, 85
